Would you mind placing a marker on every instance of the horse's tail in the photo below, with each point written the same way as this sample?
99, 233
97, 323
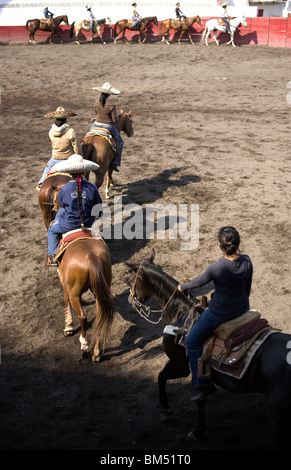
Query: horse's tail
115, 29
27, 24
46, 203
87, 150
105, 307
72, 29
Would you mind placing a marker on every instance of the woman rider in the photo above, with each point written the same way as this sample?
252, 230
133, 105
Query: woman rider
232, 277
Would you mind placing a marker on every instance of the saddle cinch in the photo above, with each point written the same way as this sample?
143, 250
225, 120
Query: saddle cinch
233, 344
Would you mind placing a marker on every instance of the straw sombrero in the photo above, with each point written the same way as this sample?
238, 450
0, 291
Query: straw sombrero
224, 5
107, 89
75, 164
59, 113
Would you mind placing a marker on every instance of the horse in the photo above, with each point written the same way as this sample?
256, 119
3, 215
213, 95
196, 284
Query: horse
123, 25
269, 372
33, 25
183, 26
48, 196
98, 149
85, 25
212, 25
85, 265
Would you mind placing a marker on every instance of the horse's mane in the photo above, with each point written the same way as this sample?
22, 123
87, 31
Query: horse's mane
162, 287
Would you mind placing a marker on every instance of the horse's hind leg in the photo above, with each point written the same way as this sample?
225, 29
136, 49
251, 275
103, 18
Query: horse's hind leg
75, 301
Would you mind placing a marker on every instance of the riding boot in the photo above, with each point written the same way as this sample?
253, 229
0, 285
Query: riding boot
51, 262
203, 392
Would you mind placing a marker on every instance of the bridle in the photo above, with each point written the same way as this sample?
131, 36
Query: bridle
143, 310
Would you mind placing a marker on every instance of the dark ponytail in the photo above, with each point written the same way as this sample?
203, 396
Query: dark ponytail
103, 98
79, 200
229, 240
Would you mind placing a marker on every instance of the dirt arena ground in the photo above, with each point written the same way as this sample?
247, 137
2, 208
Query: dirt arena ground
212, 127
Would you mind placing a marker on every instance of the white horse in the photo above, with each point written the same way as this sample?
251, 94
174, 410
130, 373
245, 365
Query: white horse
212, 25
86, 26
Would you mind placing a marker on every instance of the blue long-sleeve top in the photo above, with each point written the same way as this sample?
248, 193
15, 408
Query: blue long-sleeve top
70, 219
232, 280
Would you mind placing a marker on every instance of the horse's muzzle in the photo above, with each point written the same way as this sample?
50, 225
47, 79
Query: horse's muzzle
130, 134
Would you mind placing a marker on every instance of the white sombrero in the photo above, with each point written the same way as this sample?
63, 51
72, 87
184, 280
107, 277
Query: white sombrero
75, 164
59, 113
107, 89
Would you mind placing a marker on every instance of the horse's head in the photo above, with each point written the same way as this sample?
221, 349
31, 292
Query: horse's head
155, 21
126, 122
198, 20
66, 20
138, 290
108, 22
244, 22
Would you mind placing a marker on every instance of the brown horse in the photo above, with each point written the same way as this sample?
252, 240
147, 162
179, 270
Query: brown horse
85, 265
183, 26
48, 196
33, 25
123, 25
97, 149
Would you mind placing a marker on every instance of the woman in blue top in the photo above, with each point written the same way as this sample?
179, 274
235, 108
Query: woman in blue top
232, 277
76, 199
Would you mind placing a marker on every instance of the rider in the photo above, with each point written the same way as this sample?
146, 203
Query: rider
106, 117
179, 13
232, 277
76, 198
48, 15
225, 17
63, 138
92, 17
136, 17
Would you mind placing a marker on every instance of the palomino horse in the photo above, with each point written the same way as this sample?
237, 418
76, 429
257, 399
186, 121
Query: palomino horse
85, 265
85, 25
269, 372
123, 25
99, 150
48, 196
212, 25
33, 25
178, 25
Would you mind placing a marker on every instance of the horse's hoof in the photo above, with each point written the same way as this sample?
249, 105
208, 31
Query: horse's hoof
68, 332
96, 358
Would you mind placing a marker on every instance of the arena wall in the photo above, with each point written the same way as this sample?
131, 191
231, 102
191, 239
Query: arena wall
265, 31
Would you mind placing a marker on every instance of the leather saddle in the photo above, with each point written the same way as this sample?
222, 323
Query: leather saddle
70, 237
105, 133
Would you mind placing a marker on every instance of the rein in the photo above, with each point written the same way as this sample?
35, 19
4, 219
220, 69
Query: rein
143, 310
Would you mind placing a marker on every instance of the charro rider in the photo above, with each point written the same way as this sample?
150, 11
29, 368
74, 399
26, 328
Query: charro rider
225, 17
106, 117
63, 138
92, 17
76, 199
48, 15
232, 277
179, 13
136, 17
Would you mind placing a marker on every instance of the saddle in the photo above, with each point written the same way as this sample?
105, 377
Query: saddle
233, 344
70, 237
45, 21
105, 133
177, 22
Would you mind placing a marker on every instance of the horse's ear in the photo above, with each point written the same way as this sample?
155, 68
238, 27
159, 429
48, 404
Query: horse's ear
129, 112
132, 266
151, 257
121, 111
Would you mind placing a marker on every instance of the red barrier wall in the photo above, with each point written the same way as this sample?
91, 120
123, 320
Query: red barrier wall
264, 31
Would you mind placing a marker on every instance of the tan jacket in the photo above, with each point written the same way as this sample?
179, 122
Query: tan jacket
106, 115
64, 142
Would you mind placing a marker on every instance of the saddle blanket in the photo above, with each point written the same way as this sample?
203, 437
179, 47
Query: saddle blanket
105, 134
74, 235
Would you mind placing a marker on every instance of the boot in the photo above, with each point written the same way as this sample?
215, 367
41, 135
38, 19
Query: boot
51, 262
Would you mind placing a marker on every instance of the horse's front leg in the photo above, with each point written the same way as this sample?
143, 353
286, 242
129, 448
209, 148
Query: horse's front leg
198, 431
190, 38
109, 182
92, 37
124, 38
145, 36
231, 39
181, 34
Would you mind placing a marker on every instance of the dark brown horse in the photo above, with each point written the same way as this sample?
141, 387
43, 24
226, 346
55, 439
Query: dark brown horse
269, 372
85, 265
53, 26
48, 196
97, 149
123, 25
183, 26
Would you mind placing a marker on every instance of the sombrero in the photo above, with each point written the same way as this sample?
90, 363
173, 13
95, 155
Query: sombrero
75, 164
224, 5
59, 113
107, 89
